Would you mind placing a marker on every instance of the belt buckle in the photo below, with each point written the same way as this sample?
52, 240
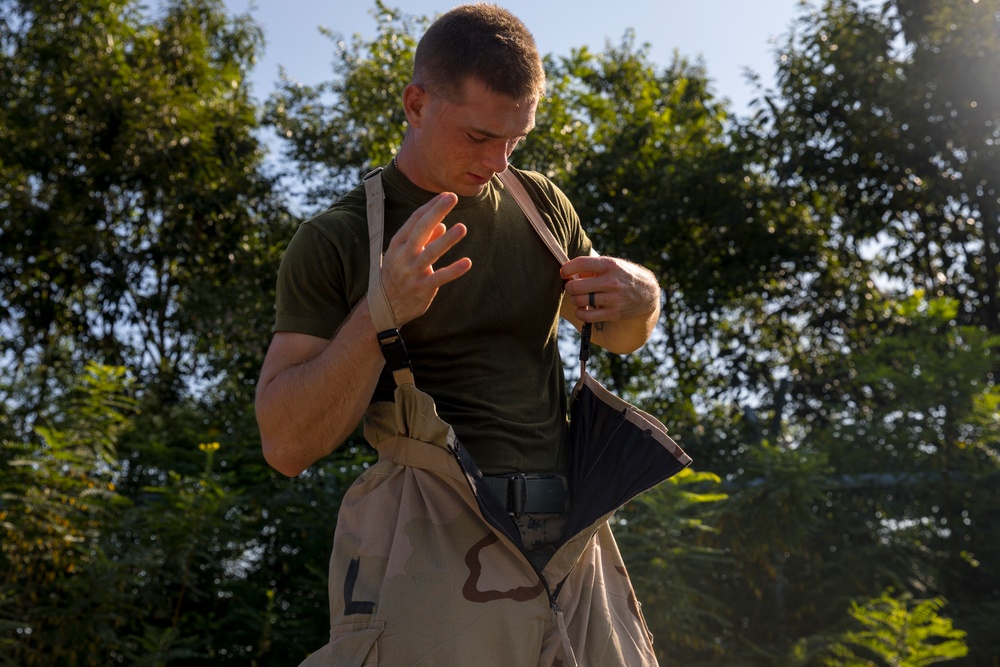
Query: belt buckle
517, 494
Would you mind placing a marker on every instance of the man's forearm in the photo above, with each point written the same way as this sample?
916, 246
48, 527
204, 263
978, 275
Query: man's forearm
307, 410
625, 336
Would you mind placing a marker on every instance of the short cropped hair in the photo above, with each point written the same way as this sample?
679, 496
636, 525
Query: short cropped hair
484, 42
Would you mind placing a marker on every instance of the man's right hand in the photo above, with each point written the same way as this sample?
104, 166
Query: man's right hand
409, 278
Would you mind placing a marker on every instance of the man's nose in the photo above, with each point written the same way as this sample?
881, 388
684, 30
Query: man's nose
496, 156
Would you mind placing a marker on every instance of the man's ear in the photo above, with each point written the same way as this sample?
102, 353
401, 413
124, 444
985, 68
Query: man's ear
414, 102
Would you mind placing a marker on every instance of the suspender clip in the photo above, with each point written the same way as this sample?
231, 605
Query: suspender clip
396, 356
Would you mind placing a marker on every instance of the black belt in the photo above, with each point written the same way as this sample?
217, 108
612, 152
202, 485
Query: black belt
527, 493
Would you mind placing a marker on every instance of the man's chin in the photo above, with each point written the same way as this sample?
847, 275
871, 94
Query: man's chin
470, 190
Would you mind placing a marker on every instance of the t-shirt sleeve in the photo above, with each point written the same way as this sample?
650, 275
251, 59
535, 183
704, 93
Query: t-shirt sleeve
311, 297
577, 241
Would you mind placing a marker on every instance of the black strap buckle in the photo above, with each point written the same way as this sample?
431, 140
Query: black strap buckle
393, 349
517, 494
529, 493
585, 335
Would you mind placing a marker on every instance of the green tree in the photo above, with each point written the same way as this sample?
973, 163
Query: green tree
138, 226
661, 534
884, 122
61, 595
91, 576
897, 633
135, 214
891, 113
337, 131
922, 458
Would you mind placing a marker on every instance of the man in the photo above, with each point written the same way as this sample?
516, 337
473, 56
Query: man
476, 297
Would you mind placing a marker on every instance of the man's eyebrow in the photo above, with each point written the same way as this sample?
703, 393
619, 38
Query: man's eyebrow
493, 135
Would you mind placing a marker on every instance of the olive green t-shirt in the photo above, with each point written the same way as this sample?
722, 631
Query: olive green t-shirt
486, 349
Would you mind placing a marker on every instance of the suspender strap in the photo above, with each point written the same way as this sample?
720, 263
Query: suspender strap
527, 204
389, 338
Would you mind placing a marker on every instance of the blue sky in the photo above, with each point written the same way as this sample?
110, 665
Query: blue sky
729, 35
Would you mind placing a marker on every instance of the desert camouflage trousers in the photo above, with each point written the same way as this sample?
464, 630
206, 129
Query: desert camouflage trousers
418, 576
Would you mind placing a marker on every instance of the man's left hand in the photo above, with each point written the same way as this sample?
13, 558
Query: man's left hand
607, 289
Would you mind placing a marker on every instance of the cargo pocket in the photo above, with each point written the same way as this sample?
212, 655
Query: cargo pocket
351, 645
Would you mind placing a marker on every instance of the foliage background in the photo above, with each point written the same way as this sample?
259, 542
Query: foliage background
826, 351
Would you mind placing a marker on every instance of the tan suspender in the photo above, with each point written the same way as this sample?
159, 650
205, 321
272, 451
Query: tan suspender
382, 317
527, 204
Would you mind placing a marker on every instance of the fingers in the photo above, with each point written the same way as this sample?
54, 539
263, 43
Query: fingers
409, 277
448, 273
424, 238
593, 306
585, 266
426, 221
609, 289
593, 298
441, 243
586, 276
